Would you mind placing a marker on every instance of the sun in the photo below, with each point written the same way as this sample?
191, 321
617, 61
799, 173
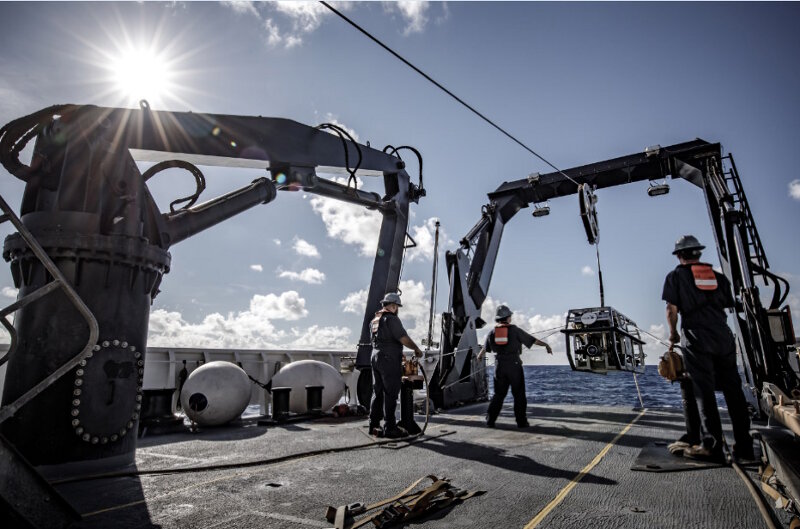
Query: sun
142, 74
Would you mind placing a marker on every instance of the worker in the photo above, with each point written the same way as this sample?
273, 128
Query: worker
388, 339
700, 295
506, 340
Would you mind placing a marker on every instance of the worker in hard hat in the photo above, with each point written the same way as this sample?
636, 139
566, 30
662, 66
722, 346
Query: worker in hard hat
506, 341
388, 339
700, 295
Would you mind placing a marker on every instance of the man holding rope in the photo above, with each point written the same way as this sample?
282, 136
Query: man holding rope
506, 340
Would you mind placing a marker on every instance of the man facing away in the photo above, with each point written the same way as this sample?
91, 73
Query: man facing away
700, 295
388, 339
506, 340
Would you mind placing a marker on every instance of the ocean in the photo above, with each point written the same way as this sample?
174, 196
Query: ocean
561, 385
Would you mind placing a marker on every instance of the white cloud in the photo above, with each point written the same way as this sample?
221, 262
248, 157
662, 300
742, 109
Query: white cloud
277, 242
794, 189
250, 328
424, 236
256, 268
414, 313
350, 223
297, 20
303, 247
413, 12
242, 7
587, 270
355, 302
10, 292
330, 118
316, 337
309, 275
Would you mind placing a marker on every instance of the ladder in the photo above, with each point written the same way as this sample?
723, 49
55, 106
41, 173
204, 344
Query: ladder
755, 250
32, 500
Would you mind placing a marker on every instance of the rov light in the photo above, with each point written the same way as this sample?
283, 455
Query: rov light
541, 210
592, 350
655, 189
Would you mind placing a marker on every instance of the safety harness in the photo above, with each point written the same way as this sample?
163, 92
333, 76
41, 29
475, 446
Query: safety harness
402, 507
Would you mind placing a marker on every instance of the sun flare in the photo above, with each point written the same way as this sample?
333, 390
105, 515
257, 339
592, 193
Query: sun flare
141, 74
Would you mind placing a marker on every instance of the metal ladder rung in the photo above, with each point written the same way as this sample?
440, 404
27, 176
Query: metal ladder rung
30, 298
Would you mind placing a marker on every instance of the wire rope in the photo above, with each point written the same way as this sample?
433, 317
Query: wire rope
445, 90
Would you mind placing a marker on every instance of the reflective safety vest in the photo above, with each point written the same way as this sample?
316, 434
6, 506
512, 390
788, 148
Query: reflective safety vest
501, 334
704, 277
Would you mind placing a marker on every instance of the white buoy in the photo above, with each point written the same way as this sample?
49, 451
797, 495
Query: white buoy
215, 393
298, 375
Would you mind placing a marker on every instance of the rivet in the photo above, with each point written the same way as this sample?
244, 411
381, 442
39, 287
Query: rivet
103, 440
137, 354
139, 389
86, 437
76, 422
75, 412
133, 348
77, 392
90, 354
123, 432
76, 402
95, 348
106, 344
135, 416
138, 398
124, 345
95, 440
78, 381
141, 371
79, 430
79, 373
114, 437
130, 424
115, 342
82, 363
137, 407
140, 363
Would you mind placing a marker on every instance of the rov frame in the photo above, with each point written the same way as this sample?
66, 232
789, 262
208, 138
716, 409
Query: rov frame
602, 339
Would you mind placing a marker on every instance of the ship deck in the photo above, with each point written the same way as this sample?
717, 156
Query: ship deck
570, 468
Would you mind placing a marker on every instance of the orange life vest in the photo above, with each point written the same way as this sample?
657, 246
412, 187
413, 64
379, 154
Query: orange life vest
501, 334
704, 277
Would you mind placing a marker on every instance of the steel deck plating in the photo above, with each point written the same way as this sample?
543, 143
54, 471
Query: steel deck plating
571, 468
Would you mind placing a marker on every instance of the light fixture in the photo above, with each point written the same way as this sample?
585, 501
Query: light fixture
655, 189
541, 210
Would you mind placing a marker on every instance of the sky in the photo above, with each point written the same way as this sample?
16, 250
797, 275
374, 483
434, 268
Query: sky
578, 82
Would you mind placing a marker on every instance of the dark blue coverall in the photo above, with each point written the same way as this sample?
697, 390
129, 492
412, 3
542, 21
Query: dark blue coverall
508, 372
710, 353
387, 358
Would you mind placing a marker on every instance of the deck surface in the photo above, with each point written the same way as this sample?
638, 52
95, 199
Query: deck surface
523, 472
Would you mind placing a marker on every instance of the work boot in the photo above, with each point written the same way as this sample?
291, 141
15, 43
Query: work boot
375, 430
489, 422
395, 433
523, 424
678, 447
744, 454
701, 453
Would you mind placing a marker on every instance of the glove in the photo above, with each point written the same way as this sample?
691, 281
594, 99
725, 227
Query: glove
671, 365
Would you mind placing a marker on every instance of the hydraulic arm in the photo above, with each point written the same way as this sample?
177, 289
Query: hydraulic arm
89, 207
767, 354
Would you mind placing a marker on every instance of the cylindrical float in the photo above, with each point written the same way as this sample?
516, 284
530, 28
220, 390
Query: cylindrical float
215, 393
298, 375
